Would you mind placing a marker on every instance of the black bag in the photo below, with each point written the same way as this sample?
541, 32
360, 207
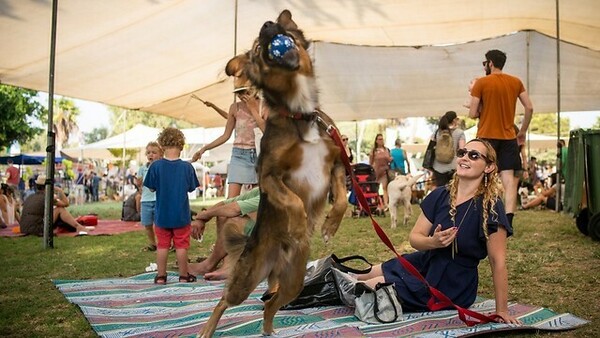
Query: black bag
320, 286
429, 155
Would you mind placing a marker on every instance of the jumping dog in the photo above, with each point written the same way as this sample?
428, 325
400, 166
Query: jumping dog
298, 164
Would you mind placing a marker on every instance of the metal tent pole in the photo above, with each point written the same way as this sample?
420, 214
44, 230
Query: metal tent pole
50, 148
558, 145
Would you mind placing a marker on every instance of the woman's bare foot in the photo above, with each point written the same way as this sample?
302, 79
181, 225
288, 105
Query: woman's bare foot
202, 268
220, 274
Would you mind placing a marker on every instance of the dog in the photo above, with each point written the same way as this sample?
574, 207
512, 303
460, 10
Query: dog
297, 165
211, 192
400, 193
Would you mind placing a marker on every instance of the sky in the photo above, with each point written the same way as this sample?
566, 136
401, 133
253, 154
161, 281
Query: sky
92, 115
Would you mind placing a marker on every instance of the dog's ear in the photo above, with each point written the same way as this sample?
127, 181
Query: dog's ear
235, 66
285, 20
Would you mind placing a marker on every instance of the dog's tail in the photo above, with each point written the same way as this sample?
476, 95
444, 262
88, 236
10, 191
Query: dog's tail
234, 240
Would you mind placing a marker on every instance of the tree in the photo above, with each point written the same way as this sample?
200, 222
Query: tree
597, 125
19, 109
543, 123
95, 135
64, 120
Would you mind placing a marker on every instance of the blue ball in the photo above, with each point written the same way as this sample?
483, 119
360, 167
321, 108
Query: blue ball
279, 45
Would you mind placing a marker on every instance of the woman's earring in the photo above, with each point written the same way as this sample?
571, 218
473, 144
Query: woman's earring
485, 180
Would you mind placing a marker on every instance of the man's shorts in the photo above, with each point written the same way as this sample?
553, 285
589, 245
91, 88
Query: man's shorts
507, 154
147, 213
180, 237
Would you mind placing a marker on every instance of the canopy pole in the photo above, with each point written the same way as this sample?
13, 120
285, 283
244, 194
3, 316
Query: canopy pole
50, 148
357, 157
527, 70
123, 157
558, 144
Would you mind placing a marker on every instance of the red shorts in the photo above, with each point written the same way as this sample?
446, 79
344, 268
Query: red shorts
180, 237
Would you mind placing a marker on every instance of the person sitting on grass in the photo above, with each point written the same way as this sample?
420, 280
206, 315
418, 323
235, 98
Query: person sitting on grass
546, 197
239, 211
172, 179
460, 224
131, 207
10, 209
32, 215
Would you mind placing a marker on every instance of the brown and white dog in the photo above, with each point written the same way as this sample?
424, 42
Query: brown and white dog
297, 165
400, 193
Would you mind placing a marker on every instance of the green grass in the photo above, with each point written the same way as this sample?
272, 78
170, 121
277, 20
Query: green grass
550, 264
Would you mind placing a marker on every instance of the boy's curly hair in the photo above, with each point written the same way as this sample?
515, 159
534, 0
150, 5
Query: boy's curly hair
171, 137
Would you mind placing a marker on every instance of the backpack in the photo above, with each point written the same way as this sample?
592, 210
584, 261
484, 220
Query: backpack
444, 148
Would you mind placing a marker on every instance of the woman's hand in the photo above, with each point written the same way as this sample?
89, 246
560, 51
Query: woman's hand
505, 317
443, 238
252, 103
197, 155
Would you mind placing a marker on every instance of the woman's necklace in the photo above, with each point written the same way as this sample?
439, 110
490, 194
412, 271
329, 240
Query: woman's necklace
455, 241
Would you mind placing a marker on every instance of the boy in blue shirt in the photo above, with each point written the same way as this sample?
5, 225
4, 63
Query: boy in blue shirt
172, 179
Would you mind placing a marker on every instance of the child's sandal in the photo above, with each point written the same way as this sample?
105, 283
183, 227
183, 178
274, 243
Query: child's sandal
161, 280
187, 279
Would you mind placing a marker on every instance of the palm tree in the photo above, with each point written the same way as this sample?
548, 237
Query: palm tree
64, 121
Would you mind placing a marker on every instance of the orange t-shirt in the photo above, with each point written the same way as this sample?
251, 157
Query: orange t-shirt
499, 94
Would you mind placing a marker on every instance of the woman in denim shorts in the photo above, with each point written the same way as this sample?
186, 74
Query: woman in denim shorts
244, 116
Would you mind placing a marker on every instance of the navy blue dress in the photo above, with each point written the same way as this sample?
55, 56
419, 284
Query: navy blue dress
456, 277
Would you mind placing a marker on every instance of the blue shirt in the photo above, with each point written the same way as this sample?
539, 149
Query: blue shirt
147, 194
172, 180
398, 160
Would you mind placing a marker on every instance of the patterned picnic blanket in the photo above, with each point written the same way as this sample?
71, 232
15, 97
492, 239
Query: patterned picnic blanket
104, 227
135, 307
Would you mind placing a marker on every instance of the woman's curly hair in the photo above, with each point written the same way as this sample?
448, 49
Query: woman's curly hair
171, 137
489, 188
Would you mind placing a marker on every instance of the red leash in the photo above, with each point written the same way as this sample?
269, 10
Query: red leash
438, 299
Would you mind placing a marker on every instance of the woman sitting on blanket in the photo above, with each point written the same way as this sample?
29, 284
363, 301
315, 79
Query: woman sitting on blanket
460, 224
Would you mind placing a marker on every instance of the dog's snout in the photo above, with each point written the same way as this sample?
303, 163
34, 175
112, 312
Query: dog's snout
268, 30
267, 24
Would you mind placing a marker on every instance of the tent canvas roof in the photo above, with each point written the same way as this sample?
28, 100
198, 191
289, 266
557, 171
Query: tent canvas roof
153, 55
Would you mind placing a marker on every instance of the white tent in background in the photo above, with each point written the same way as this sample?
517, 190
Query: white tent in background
220, 168
139, 136
136, 137
373, 58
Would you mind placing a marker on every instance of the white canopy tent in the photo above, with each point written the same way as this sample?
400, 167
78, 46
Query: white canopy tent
139, 136
153, 55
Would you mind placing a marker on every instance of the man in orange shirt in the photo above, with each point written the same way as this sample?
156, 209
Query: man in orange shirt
498, 92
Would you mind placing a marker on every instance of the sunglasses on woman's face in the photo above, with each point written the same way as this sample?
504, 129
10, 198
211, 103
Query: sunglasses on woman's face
473, 155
